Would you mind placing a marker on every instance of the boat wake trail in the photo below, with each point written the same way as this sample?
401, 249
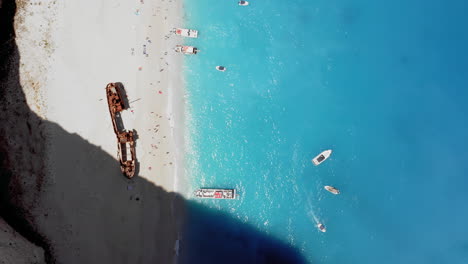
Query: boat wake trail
310, 211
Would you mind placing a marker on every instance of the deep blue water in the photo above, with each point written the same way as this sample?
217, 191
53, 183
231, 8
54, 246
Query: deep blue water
382, 83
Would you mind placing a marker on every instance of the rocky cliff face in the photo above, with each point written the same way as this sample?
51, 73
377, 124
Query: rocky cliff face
22, 144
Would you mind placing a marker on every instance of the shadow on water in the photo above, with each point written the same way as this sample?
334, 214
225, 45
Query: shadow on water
215, 237
81, 201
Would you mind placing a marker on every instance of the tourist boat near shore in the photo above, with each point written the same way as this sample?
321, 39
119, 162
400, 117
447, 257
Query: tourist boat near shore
186, 49
331, 189
321, 228
321, 157
125, 139
221, 68
184, 32
216, 193
243, 3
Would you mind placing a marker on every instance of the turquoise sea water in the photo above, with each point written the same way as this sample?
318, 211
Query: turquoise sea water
382, 83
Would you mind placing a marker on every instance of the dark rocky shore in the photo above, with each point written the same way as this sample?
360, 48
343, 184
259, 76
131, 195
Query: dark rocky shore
22, 142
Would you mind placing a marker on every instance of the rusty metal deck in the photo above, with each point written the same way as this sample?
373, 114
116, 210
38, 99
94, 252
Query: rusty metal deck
125, 139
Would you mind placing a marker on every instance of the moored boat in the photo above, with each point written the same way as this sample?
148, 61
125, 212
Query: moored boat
221, 68
321, 157
331, 189
215, 193
321, 227
243, 3
184, 32
186, 49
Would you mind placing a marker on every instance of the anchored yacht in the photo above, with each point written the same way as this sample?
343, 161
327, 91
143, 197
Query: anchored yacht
221, 68
216, 193
321, 228
186, 49
321, 157
331, 189
184, 32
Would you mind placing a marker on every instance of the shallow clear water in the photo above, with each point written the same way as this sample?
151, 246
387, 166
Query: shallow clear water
382, 83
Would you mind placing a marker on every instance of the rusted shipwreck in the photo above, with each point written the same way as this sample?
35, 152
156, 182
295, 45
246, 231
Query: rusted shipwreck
126, 153
125, 139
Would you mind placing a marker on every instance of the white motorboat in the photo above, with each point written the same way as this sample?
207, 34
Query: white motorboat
243, 3
321, 228
215, 193
331, 189
184, 32
221, 68
321, 157
186, 49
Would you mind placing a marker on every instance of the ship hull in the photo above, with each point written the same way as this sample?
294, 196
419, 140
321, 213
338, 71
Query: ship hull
125, 139
321, 157
331, 189
206, 193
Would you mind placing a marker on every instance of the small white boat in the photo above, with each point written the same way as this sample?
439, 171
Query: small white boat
331, 189
184, 32
221, 68
321, 157
321, 228
243, 3
216, 193
186, 49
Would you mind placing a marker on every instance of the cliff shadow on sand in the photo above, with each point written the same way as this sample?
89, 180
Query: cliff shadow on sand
69, 197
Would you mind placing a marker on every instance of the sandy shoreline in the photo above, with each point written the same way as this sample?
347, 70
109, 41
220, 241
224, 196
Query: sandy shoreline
84, 61
67, 58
